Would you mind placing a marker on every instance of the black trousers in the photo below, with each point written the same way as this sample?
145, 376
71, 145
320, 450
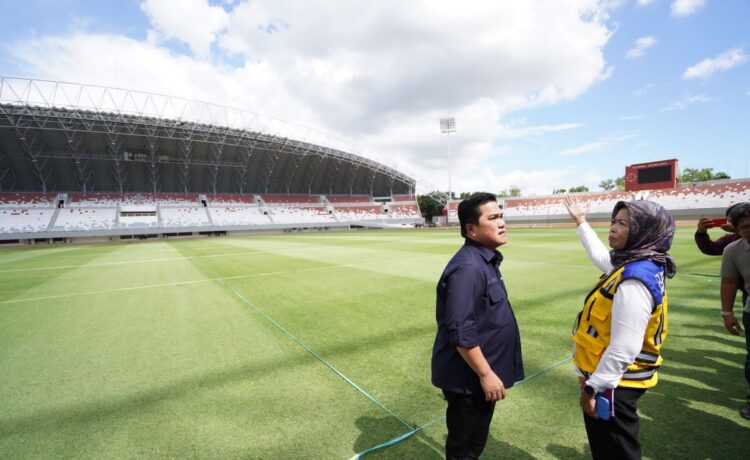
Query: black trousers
746, 324
468, 418
616, 438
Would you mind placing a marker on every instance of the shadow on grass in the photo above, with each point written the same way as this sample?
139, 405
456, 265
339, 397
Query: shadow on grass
724, 339
674, 425
421, 446
569, 453
500, 449
681, 418
376, 431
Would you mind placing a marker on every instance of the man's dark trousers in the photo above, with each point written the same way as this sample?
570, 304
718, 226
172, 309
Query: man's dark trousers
468, 419
746, 323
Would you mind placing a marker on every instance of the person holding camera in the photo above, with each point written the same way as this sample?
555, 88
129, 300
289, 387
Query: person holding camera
735, 270
716, 248
703, 240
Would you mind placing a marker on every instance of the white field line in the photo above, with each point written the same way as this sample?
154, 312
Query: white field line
204, 280
170, 259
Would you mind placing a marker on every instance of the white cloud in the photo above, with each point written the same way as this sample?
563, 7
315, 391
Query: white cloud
640, 47
194, 22
686, 7
643, 90
416, 56
722, 62
686, 101
380, 75
639, 116
600, 144
645, 2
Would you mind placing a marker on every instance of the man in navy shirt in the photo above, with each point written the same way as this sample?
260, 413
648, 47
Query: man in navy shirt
477, 351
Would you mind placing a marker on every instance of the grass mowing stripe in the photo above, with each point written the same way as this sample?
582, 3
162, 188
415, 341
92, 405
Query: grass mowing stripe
361, 244
168, 259
306, 348
126, 262
409, 434
133, 288
178, 283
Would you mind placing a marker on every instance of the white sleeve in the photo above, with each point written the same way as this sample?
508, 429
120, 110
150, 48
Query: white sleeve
631, 311
594, 247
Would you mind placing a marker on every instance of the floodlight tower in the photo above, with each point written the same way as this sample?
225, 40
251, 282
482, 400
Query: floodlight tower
448, 126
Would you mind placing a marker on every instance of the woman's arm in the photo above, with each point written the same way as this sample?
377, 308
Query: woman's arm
595, 249
597, 252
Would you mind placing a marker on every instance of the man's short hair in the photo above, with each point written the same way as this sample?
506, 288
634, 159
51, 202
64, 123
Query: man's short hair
739, 212
729, 210
468, 209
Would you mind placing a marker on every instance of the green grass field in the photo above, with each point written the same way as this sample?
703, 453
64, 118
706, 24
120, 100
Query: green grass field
318, 346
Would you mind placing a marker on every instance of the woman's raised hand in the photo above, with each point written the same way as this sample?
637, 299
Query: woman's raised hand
575, 209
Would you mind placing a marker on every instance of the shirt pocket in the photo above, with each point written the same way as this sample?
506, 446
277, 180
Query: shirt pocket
496, 304
495, 294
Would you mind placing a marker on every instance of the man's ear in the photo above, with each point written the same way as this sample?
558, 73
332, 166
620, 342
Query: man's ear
470, 229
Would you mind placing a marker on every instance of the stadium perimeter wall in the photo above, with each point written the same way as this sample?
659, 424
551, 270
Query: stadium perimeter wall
688, 215
151, 233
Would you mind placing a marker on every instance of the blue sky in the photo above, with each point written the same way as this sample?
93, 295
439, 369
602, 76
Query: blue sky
546, 93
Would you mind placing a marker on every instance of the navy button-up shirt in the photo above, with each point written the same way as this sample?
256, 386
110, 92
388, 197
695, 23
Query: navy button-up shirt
473, 310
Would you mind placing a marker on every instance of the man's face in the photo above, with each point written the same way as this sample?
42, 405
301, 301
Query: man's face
743, 228
490, 231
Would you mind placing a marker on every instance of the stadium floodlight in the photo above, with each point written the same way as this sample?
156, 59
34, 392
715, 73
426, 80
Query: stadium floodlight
448, 126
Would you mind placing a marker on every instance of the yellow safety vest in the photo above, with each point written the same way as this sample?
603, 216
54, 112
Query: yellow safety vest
593, 326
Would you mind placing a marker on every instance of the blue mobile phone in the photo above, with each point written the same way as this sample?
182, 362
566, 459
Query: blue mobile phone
602, 407
605, 404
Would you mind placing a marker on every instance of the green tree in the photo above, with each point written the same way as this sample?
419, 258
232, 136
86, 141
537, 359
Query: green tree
701, 175
613, 184
608, 184
513, 191
580, 188
558, 191
429, 206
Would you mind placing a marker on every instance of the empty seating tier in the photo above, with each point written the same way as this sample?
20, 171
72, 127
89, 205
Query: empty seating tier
290, 199
25, 220
26, 199
349, 198
24, 212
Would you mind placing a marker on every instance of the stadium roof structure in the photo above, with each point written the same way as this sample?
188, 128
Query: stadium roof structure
57, 136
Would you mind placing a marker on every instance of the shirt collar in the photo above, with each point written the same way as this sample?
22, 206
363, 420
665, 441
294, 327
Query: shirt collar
492, 256
746, 244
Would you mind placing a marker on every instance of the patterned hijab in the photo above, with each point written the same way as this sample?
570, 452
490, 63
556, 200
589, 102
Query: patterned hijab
650, 237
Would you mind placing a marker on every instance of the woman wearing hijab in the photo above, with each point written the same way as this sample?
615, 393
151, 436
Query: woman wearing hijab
619, 333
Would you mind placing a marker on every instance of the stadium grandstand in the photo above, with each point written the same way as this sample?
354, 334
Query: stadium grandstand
688, 201
80, 162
